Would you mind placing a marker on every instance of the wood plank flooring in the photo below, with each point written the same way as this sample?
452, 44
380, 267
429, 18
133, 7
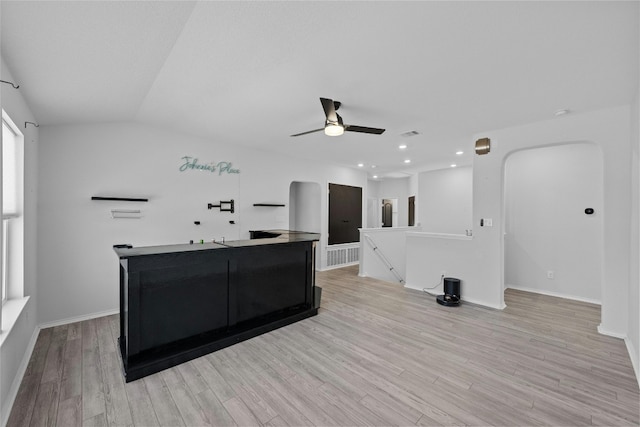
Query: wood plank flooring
377, 354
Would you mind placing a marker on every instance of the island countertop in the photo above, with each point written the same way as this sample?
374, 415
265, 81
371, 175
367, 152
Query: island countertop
280, 236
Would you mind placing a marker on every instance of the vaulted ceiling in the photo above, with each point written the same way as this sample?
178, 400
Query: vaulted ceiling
251, 73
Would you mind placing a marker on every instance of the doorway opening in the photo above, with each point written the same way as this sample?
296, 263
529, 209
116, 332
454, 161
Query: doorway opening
411, 221
304, 206
389, 212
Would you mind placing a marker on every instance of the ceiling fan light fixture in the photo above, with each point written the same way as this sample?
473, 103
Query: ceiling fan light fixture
333, 129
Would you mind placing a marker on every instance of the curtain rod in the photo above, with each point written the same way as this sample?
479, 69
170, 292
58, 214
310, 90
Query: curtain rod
10, 83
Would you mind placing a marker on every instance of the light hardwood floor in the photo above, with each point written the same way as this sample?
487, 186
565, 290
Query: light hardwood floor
376, 354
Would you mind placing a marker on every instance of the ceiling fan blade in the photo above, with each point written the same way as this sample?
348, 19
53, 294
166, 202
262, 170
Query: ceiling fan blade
362, 129
329, 109
309, 131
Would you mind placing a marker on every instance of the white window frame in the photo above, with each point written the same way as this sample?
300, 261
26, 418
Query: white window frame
5, 258
9, 289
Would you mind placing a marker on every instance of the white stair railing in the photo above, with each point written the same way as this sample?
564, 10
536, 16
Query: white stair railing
384, 259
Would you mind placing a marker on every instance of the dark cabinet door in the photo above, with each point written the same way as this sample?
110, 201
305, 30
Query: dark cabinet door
345, 213
182, 301
268, 279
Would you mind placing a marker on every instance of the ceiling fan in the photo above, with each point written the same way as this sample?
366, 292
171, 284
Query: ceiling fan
333, 125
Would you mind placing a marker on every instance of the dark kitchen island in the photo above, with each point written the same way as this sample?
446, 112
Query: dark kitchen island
179, 302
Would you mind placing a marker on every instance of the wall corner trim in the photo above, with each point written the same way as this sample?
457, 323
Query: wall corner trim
633, 355
603, 331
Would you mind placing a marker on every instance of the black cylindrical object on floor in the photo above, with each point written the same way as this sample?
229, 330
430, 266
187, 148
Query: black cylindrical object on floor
451, 287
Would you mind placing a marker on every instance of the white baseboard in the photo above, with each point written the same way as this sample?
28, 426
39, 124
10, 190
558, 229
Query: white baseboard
553, 294
463, 299
606, 332
17, 380
633, 356
333, 267
78, 318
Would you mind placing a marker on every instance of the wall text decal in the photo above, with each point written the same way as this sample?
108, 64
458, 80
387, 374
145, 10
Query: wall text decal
191, 163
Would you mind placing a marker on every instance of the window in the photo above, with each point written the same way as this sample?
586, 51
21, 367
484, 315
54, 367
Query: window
5, 258
12, 200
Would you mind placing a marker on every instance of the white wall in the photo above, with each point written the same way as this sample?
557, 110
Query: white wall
397, 188
609, 129
389, 242
429, 256
77, 266
16, 345
390, 188
633, 334
304, 206
414, 187
372, 204
546, 192
445, 198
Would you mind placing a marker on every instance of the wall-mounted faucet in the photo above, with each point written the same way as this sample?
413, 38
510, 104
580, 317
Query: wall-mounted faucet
224, 206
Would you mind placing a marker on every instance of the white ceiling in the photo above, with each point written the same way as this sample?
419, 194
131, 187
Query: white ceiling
251, 73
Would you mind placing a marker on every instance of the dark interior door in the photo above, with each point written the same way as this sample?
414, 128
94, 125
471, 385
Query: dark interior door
412, 211
345, 213
387, 213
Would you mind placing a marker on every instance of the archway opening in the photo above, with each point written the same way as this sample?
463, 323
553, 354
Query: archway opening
553, 227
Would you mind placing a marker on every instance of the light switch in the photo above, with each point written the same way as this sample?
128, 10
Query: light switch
488, 222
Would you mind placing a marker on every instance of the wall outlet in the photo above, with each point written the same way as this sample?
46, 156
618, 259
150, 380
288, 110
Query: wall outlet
550, 274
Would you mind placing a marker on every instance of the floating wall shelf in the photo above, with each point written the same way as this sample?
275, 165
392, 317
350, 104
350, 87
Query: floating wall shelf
126, 213
275, 205
120, 199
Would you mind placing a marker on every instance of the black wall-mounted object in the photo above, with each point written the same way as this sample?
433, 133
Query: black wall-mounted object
224, 205
120, 199
275, 205
589, 211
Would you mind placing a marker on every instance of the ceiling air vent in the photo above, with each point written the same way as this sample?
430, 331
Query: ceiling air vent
410, 133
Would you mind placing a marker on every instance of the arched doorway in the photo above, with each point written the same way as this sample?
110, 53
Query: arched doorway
304, 206
553, 210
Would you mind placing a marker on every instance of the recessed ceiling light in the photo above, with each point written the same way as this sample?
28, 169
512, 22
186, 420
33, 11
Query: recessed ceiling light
373, 166
407, 161
453, 165
375, 176
459, 153
360, 165
561, 112
402, 146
